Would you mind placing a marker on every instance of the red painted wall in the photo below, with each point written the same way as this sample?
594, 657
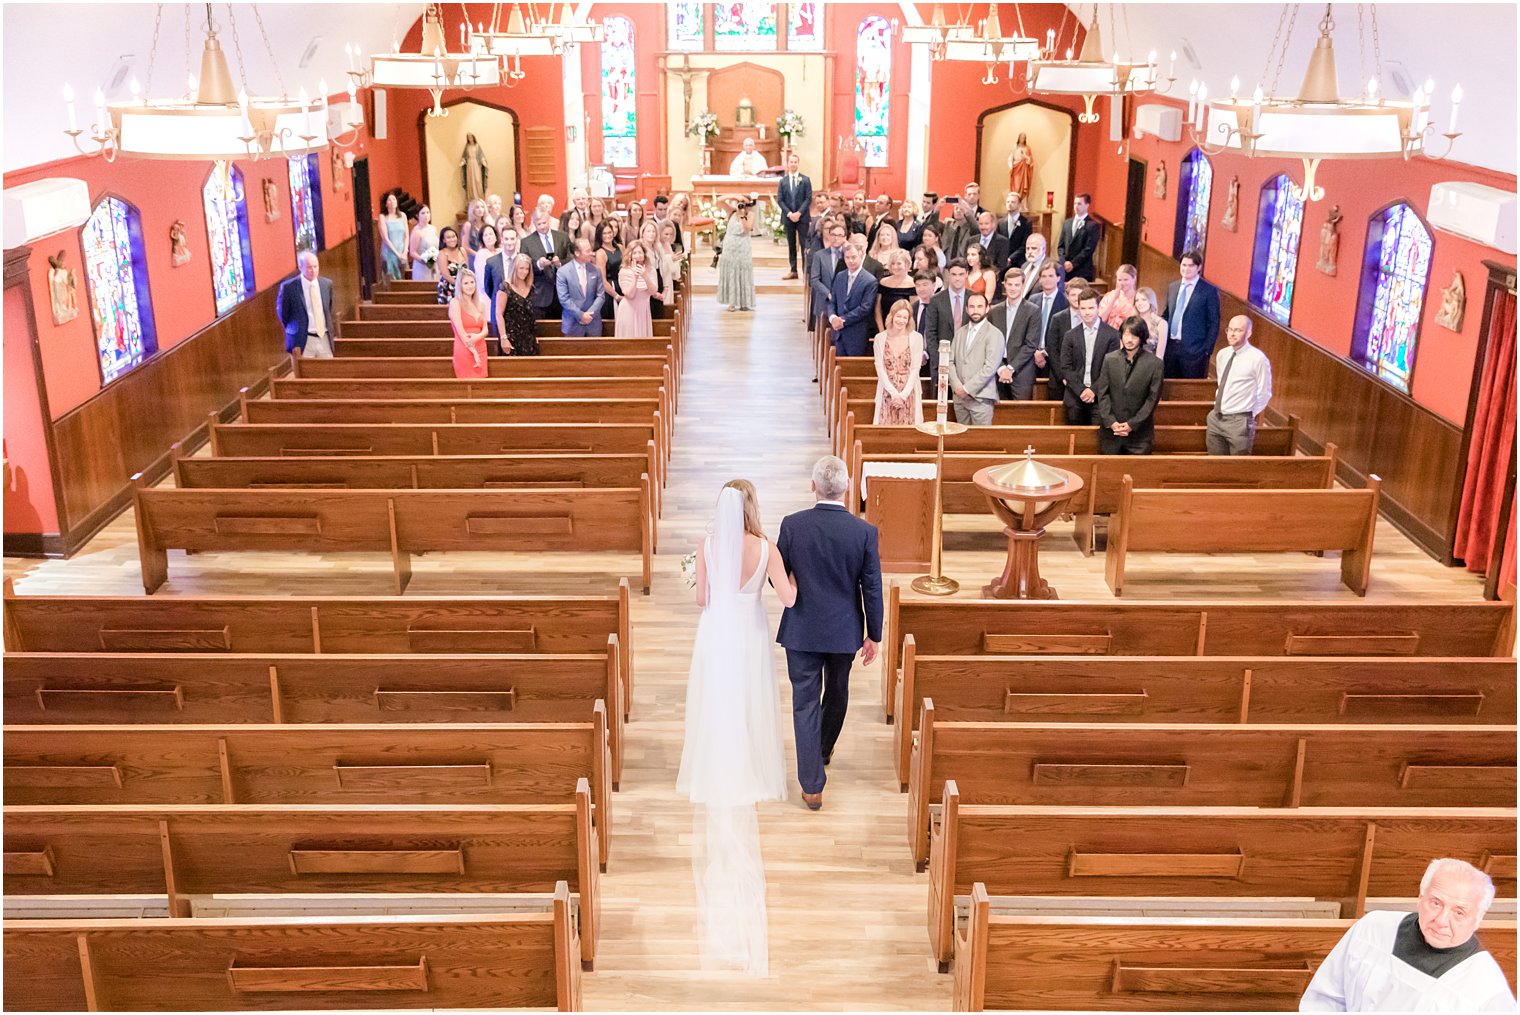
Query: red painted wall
1324, 307
28, 501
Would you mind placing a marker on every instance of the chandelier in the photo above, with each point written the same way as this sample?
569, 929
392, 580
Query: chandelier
213, 119
433, 68
1090, 75
530, 34
984, 43
1318, 124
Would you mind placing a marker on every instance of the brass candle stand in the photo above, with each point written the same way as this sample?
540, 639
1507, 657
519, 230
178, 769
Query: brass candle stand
935, 583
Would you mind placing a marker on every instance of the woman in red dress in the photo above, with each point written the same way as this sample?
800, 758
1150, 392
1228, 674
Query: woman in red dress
467, 313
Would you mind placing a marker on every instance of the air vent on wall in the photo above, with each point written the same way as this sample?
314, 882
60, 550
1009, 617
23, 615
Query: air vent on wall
1474, 212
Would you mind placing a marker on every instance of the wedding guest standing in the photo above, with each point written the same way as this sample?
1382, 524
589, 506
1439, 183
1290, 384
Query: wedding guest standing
609, 261
423, 246
1129, 386
392, 237
895, 286
1245, 388
516, 320
637, 281
549, 249
451, 258
489, 246
649, 236
1149, 310
1015, 228
1192, 317
854, 302
794, 195
581, 293
670, 266
1118, 304
1081, 356
467, 315
736, 266
910, 229
980, 275
899, 351
469, 233
1079, 239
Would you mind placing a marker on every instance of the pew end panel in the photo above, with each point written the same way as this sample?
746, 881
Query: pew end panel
944, 835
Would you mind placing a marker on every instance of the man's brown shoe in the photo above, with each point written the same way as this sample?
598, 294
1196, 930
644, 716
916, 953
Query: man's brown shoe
814, 801
789, 275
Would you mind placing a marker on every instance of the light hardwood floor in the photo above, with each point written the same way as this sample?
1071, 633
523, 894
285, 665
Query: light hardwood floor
847, 919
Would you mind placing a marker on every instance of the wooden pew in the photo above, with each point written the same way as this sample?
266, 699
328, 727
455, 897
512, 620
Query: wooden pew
530, 960
1011, 441
1210, 689
431, 763
426, 325
1096, 963
1012, 627
401, 522
52, 688
450, 388
331, 625
548, 347
442, 367
306, 849
1103, 476
1207, 765
1340, 854
1245, 521
1019, 413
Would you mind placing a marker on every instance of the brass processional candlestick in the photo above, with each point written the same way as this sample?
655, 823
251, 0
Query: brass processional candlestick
935, 583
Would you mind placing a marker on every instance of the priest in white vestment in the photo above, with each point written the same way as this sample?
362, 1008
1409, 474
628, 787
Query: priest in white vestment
748, 162
1429, 960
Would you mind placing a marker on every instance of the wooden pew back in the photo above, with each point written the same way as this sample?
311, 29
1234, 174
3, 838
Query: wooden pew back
505, 367
448, 388
264, 440
447, 472
465, 410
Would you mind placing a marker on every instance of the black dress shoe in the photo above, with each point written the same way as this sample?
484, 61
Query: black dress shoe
828, 758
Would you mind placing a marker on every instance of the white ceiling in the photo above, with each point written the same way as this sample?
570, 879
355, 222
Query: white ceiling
48, 44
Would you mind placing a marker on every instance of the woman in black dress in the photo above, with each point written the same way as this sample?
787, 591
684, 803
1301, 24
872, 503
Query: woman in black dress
896, 284
518, 321
609, 260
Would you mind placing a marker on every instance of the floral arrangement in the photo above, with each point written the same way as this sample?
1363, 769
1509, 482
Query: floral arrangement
704, 125
789, 124
689, 569
770, 217
709, 209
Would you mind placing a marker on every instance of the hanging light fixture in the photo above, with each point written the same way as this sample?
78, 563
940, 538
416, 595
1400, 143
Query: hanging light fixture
989, 45
1318, 123
523, 36
569, 30
935, 34
213, 119
1090, 76
433, 68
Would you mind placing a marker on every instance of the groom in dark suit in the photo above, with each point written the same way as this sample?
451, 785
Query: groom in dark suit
794, 195
832, 555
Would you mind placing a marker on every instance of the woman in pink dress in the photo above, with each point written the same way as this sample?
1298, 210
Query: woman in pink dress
467, 313
637, 280
1118, 304
899, 351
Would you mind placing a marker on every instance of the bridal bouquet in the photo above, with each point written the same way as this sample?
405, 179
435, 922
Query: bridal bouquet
689, 569
430, 256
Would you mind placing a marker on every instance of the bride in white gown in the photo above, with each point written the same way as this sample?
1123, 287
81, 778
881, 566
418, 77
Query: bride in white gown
732, 756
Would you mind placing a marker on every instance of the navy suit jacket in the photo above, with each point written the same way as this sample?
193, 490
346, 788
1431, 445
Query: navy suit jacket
495, 274
291, 307
1200, 320
833, 556
857, 305
800, 199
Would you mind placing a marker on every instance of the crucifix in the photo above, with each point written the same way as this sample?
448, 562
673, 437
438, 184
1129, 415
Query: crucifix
685, 72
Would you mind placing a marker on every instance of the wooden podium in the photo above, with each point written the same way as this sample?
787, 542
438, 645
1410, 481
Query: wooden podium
902, 509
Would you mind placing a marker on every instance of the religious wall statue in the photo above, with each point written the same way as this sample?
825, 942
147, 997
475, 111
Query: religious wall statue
473, 170
1330, 240
63, 287
1021, 169
271, 201
1453, 303
341, 160
179, 249
1231, 219
1161, 181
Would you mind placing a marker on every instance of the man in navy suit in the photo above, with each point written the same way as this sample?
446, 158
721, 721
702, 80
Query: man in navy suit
305, 309
854, 304
1192, 320
1079, 240
832, 555
581, 293
794, 194
822, 266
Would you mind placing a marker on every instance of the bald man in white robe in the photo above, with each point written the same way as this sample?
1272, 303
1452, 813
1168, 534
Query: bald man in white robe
1429, 960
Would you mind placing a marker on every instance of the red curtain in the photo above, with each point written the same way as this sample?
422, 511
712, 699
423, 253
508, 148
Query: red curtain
1493, 443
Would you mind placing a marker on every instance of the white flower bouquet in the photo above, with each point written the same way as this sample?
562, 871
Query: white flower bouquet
689, 569
704, 125
789, 124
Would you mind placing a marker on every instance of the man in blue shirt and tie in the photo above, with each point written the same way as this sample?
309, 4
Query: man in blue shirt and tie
1192, 320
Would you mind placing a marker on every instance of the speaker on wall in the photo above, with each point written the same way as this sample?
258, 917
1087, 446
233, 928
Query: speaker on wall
378, 131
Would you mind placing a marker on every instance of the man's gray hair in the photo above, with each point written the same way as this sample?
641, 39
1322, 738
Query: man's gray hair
1454, 866
303, 255
831, 478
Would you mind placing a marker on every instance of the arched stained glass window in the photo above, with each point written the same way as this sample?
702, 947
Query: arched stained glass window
118, 278
227, 236
873, 87
805, 30
306, 202
1279, 227
1395, 273
620, 116
685, 25
743, 26
1193, 203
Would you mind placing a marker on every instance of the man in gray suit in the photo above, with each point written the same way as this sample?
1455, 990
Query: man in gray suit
974, 359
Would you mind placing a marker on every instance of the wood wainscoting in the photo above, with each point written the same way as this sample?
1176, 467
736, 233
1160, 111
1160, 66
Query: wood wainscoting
130, 424
1377, 430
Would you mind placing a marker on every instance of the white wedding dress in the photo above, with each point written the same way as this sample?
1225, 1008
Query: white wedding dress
732, 757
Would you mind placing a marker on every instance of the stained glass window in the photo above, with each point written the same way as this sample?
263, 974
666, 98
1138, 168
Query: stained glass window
227, 236
619, 116
1193, 203
805, 28
118, 280
1279, 227
685, 25
306, 202
873, 87
1395, 272
743, 26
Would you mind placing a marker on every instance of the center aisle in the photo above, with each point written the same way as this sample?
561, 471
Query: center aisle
847, 911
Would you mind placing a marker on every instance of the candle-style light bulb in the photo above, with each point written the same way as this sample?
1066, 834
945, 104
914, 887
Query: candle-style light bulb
1421, 111
1372, 89
1171, 67
1234, 87
136, 90
1256, 98
1456, 100
68, 100
1430, 88
1203, 98
243, 106
100, 108
1050, 40
1068, 52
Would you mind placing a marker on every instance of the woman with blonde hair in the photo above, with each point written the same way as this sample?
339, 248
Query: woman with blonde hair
731, 755
1118, 304
899, 351
896, 284
467, 315
469, 233
1148, 310
516, 320
636, 280
886, 241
